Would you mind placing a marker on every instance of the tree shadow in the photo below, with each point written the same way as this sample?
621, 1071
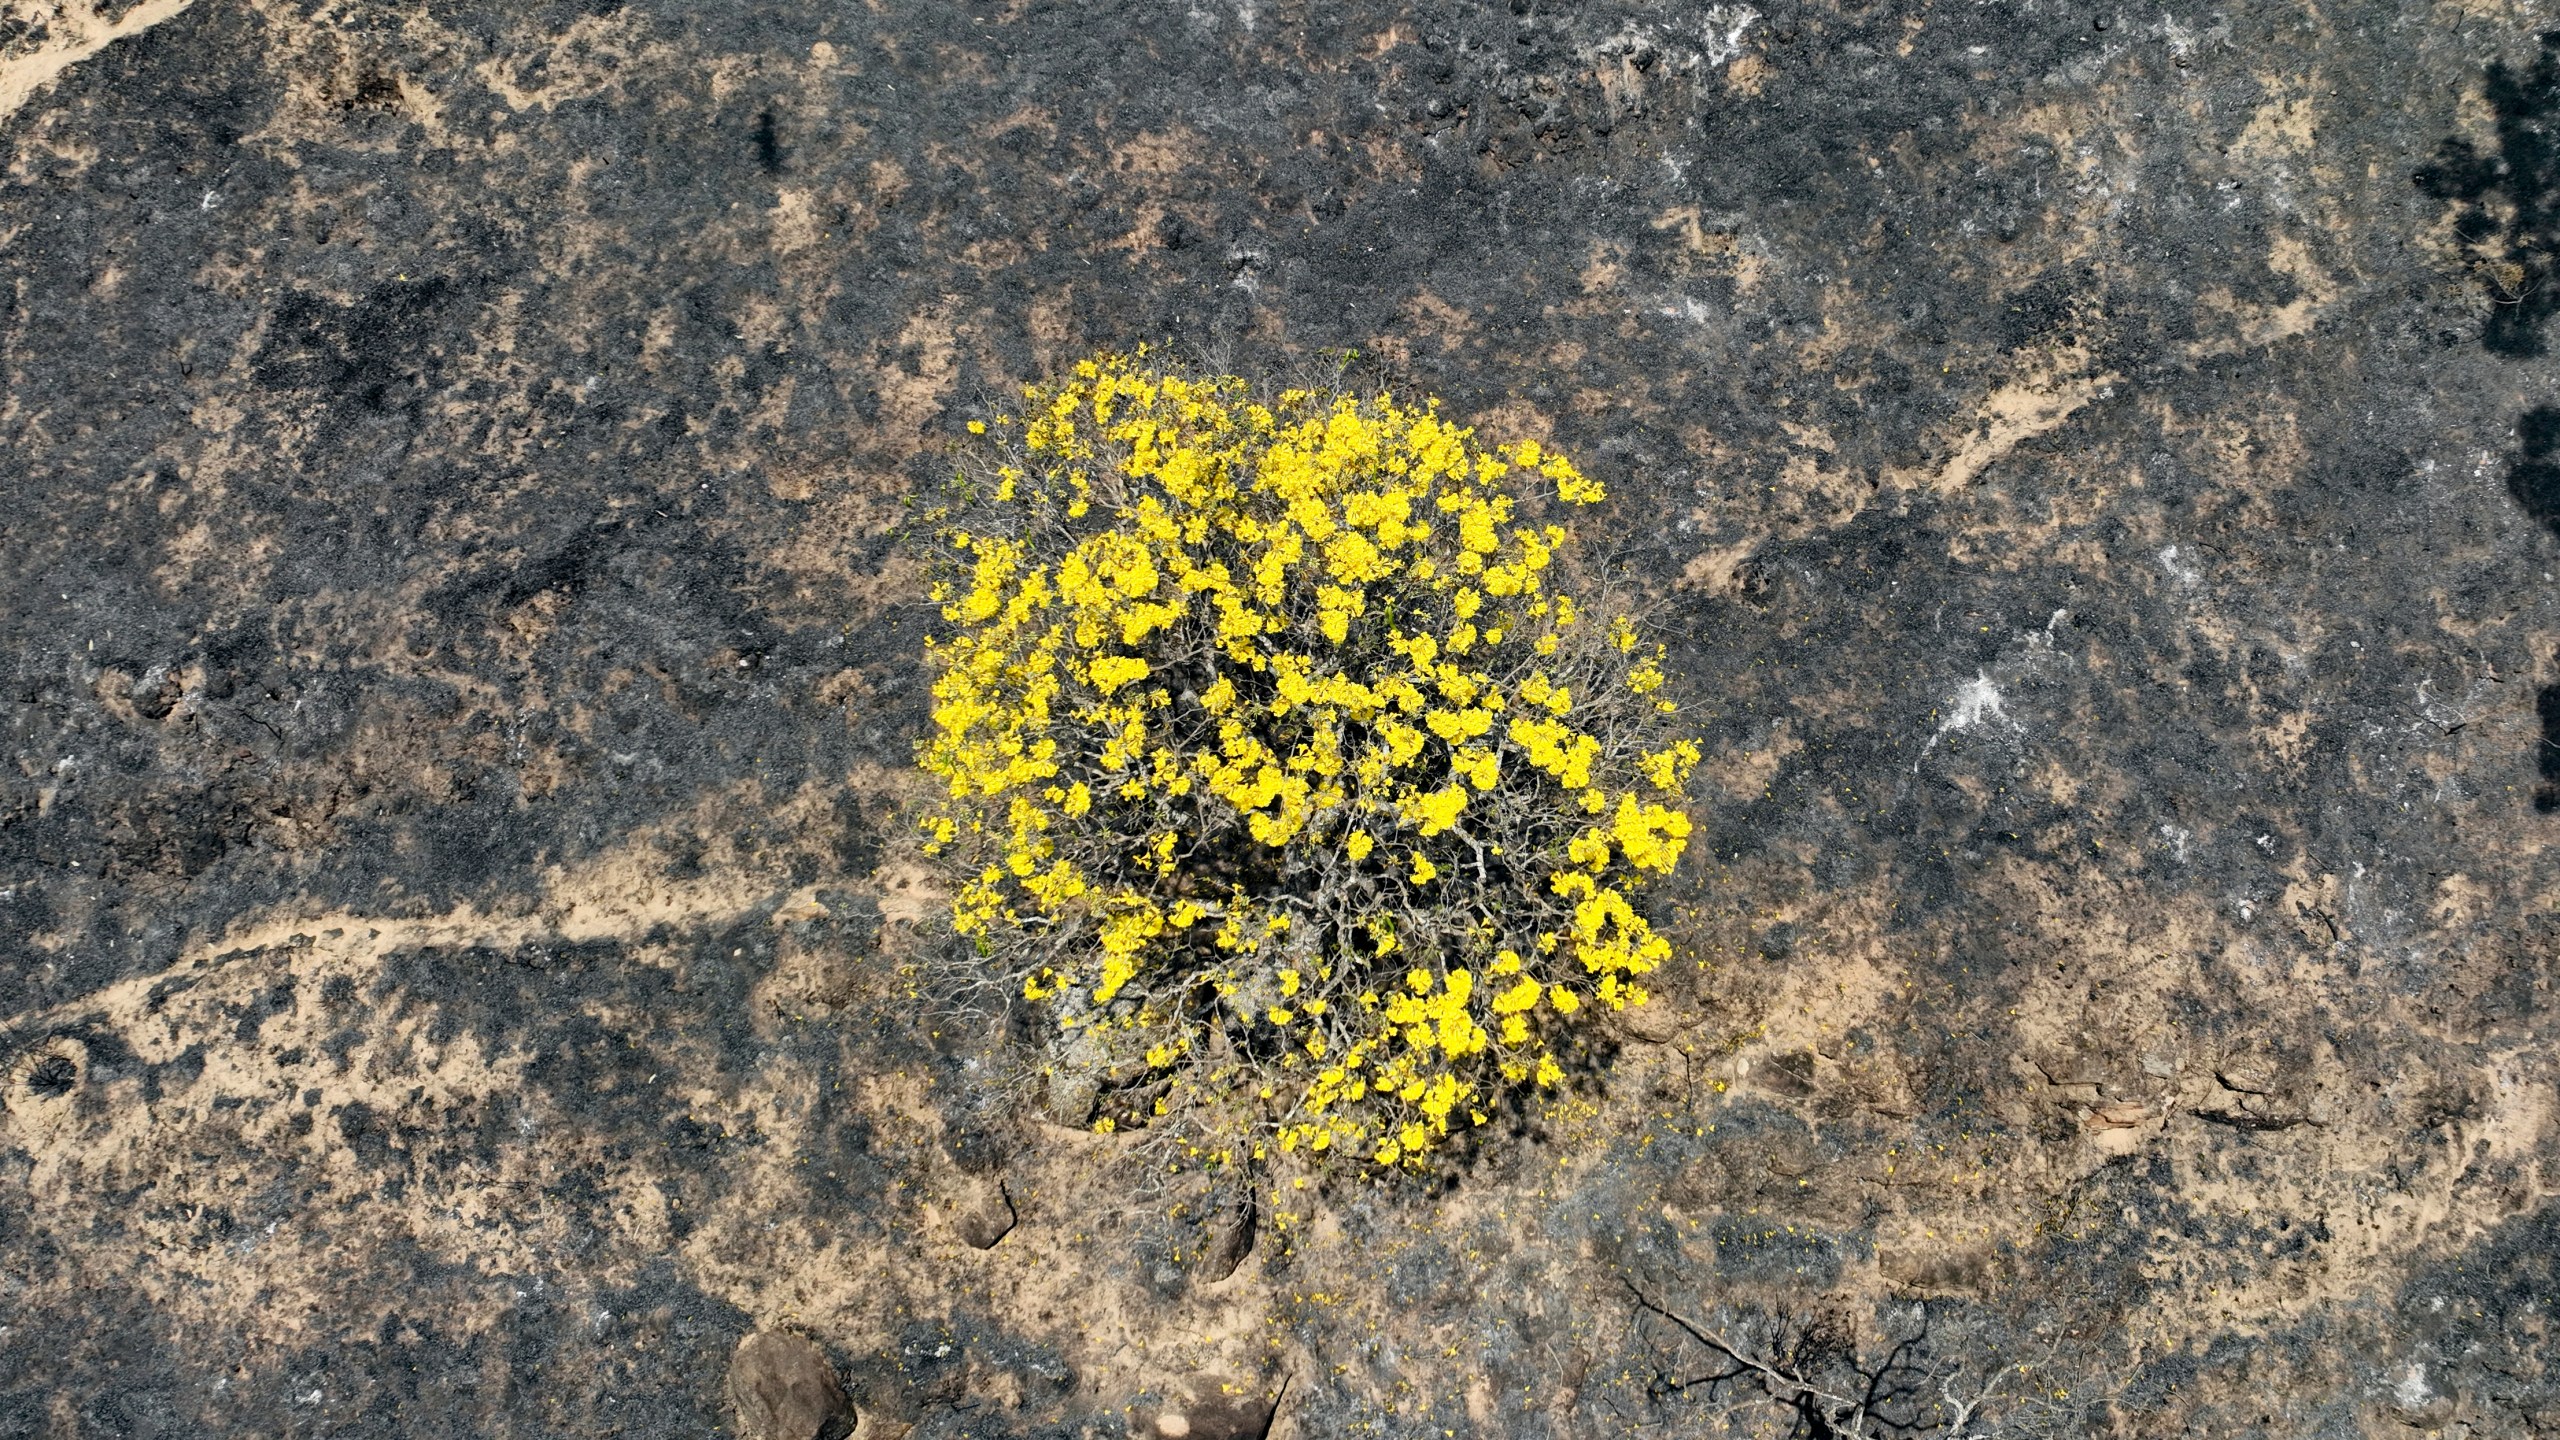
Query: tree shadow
2508, 201
2507, 215
2534, 479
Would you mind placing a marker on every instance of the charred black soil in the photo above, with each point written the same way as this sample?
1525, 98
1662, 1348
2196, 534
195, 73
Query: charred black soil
2095, 467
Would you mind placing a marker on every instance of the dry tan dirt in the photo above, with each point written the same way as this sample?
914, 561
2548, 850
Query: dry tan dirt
2096, 469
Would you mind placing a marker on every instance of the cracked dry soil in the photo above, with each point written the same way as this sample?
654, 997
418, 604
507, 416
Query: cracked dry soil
2096, 466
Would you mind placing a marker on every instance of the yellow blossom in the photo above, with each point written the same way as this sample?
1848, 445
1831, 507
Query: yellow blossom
1194, 632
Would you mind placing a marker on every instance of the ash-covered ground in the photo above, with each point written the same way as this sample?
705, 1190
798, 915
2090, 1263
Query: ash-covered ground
2098, 469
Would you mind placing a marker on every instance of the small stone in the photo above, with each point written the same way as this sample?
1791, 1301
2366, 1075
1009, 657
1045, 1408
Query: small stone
989, 1220
785, 1389
2115, 1129
2245, 1081
2252, 1112
1070, 1099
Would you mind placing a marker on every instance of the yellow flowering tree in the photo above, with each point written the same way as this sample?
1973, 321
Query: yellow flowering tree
1282, 779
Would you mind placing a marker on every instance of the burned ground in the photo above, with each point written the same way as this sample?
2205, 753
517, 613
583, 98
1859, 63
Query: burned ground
2094, 467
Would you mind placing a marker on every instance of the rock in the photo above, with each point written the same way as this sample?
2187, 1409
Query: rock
990, 1218
2116, 1127
785, 1389
1231, 1235
2253, 1112
2244, 1080
1068, 1098
2250, 1100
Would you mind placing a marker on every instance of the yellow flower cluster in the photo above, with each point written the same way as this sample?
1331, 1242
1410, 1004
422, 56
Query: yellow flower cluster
1276, 763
